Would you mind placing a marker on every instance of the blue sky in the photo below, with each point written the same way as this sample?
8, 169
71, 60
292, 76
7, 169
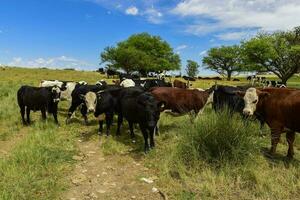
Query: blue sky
72, 33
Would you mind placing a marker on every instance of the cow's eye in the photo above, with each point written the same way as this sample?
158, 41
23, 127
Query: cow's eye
255, 101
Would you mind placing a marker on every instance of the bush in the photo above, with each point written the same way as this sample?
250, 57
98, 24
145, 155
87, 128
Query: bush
218, 139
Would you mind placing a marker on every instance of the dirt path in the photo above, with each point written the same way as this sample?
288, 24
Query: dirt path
97, 176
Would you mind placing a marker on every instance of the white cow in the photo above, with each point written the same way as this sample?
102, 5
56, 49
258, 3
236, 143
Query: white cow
127, 83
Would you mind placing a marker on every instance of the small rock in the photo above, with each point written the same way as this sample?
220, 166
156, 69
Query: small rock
146, 180
84, 171
155, 190
78, 158
78, 179
79, 140
93, 195
133, 197
101, 191
98, 175
104, 173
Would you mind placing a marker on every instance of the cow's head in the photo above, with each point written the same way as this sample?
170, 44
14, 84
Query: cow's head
55, 93
251, 98
151, 108
90, 100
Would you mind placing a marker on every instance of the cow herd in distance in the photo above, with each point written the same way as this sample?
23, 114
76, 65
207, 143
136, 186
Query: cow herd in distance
140, 101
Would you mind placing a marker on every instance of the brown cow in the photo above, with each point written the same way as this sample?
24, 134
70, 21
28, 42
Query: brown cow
182, 101
280, 108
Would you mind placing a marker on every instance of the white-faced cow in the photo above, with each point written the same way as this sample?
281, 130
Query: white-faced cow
36, 98
280, 108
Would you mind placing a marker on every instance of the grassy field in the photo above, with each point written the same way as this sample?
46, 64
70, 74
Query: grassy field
217, 157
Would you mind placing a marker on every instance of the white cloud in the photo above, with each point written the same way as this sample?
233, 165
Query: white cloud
132, 10
239, 35
269, 15
153, 15
181, 47
53, 62
202, 53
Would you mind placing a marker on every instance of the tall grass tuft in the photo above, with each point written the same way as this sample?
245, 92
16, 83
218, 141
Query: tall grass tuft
217, 139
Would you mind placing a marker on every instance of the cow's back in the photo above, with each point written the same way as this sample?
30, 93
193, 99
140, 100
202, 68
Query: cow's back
33, 97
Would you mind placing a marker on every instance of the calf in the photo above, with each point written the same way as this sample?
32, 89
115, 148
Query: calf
280, 108
36, 98
139, 107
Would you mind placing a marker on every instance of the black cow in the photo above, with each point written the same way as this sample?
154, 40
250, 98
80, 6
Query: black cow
187, 78
139, 107
149, 83
36, 98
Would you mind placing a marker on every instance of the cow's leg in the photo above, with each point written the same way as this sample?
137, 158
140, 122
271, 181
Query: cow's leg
22, 111
71, 111
156, 129
109, 119
55, 116
261, 134
151, 132
131, 131
145, 135
28, 115
100, 130
43, 111
120, 121
275, 137
83, 111
290, 138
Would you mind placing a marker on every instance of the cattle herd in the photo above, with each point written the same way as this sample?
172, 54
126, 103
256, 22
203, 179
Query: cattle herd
141, 102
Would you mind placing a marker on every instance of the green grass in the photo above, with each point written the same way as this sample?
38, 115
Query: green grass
217, 157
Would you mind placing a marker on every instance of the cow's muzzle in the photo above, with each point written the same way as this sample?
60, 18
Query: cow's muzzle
91, 110
247, 112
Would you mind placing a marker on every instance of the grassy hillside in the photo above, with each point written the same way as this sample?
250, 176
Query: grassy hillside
217, 157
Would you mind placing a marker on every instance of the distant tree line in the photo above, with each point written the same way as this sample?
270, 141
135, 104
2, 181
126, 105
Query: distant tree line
277, 52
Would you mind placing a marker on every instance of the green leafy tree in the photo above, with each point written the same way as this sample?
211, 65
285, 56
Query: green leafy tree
224, 60
277, 52
192, 68
141, 52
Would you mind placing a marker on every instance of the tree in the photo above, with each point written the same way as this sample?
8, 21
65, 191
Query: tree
141, 52
277, 52
192, 68
224, 60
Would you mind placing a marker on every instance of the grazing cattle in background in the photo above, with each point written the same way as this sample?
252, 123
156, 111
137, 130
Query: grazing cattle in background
101, 70
187, 78
269, 83
142, 108
180, 84
280, 108
181, 101
44, 99
127, 83
111, 73
101, 83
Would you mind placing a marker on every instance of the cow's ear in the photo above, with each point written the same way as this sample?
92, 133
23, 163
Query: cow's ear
240, 93
81, 96
99, 93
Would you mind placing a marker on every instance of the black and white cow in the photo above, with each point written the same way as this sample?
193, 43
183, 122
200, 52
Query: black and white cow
101, 83
86, 95
142, 108
44, 99
146, 84
66, 87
